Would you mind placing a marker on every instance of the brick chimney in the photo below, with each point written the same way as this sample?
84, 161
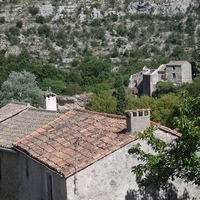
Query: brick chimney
50, 102
137, 120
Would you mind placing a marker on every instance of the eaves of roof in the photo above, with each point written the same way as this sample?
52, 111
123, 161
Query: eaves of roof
77, 139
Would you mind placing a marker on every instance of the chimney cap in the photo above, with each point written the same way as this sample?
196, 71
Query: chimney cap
49, 93
137, 110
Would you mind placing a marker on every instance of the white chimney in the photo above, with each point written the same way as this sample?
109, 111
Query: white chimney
137, 120
50, 102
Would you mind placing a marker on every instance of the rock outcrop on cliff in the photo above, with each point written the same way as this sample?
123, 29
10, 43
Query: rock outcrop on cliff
63, 31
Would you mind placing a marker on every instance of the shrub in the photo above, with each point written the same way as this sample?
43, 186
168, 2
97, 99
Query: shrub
30, 31
61, 38
96, 22
2, 20
114, 17
14, 40
33, 10
44, 30
40, 19
178, 52
19, 23
14, 31
121, 30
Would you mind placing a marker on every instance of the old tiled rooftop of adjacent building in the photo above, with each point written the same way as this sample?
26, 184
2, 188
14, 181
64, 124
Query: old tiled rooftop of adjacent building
20, 119
78, 137
181, 62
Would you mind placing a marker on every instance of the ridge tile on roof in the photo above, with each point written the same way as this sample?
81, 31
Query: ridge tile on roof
85, 135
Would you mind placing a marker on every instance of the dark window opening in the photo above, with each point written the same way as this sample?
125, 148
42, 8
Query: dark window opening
0, 168
140, 113
134, 114
174, 75
27, 168
49, 186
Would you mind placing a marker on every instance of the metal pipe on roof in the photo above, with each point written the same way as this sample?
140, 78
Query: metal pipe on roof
8, 150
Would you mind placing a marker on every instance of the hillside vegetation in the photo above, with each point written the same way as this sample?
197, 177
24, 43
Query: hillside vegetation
121, 31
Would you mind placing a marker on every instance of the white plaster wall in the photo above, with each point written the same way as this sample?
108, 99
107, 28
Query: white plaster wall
111, 179
50, 103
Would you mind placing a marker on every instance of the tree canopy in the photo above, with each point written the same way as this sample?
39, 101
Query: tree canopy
21, 86
177, 159
103, 102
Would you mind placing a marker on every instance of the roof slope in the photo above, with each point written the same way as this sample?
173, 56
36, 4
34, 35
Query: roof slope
173, 62
76, 139
20, 119
12, 109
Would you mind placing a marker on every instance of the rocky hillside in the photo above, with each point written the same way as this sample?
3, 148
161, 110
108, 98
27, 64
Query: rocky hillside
63, 32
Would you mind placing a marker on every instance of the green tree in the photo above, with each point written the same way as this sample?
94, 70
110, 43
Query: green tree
178, 52
190, 26
21, 86
120, 96
57, 86
162, 109
73, 88
101, 87
164, 88
194, 87
95, 70
103, 102
176, 159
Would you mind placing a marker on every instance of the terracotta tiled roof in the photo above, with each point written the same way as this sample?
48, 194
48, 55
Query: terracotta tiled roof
166, 129
19, 119
75, 140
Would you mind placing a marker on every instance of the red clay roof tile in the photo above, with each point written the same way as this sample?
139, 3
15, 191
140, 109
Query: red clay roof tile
78, 137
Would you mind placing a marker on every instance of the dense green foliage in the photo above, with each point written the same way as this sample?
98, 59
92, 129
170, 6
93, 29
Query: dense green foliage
162, 109
103, 102
92, 74
175, 159
120, 96
21, 86
165, 88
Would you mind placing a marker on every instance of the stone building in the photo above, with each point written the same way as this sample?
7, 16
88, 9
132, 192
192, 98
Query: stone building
79, 154
144, 82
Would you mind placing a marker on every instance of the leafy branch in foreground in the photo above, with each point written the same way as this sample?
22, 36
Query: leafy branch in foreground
176, 159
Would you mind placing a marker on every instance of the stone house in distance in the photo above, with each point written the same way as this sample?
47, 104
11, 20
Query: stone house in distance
80, 154
144, 82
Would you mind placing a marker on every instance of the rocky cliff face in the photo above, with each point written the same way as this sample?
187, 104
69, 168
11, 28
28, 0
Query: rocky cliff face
168, 7
64, 31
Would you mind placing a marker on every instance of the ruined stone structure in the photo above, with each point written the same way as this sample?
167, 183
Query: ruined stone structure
144, 82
